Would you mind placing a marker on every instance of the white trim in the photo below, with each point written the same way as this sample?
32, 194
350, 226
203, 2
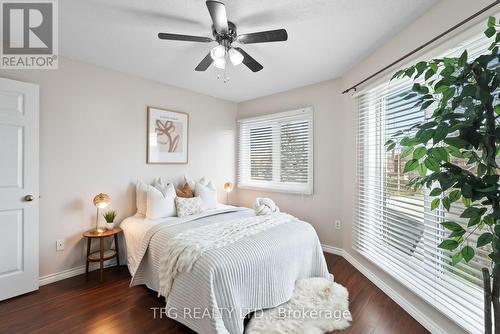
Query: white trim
406, 305
277, 115
332, 250
51, 278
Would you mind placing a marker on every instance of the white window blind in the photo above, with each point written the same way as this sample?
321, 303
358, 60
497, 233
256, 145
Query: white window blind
394, 225
276, 152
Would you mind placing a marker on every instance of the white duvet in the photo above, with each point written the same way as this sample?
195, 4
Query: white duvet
224, 284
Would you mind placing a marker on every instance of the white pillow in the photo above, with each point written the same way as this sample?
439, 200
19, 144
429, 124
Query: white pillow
189, 181
207, 194
141, 197
161, 201
188, 206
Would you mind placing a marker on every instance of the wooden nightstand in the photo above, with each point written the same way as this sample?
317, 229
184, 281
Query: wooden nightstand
102, 254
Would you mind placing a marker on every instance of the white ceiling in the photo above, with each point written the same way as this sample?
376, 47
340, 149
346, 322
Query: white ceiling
325, 39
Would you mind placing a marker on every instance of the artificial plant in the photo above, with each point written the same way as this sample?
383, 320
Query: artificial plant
455, 152
109, 216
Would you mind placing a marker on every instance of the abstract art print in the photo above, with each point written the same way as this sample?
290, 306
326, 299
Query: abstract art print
167, 136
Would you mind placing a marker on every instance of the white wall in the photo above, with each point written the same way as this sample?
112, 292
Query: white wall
335, 145
325, 206
93, 139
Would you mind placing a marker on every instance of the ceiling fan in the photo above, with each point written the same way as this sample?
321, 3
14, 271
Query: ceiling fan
224, 33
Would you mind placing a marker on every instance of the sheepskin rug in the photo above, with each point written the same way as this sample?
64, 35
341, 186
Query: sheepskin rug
317, 306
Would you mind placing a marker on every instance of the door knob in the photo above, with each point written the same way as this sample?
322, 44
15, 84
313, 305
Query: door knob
28, 198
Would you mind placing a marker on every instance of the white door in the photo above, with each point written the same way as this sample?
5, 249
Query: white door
18, 188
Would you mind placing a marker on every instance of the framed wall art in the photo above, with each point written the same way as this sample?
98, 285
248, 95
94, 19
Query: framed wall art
168, 134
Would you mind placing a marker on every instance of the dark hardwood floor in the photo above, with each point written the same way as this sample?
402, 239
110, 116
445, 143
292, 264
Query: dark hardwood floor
84, 305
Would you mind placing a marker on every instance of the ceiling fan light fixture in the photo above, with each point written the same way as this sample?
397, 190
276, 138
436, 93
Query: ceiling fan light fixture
217, 53
235, 56
220, 63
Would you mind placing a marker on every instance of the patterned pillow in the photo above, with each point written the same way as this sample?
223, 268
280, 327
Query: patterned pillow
185, 191
188, 206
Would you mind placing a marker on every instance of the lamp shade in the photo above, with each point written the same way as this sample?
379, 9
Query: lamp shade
235, 56
102, 200
228, 186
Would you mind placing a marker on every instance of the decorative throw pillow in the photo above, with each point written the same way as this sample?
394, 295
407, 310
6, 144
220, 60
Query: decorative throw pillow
141, 197
160, 201
189, 181
207, 193
188, 206
185, 191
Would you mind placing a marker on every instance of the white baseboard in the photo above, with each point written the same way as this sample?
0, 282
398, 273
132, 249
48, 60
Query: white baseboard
51, 278
332, 250
425, 321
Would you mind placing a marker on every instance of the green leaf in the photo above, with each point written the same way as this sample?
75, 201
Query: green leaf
441, 133
456, 259
472, 211
407, 151
491, 21
410, 166
490, 32
455, 195
440, 154
436, 192
455, 152
435, 203
497, 230
422, 170
432, 164
456, 142
463, 58
474, 221
452, 226
430, 72
426, 104
446, 203
390, 147
419, 152
398, 74
425, 135
484, 239
448, 244
467, 253
409, 141
427, 125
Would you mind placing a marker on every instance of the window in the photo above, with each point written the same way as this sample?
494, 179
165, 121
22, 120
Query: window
276, 152
394, 225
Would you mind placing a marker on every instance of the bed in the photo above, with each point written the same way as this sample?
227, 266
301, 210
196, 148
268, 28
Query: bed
223, 284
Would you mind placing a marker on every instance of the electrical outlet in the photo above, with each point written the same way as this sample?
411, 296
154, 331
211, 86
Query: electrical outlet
59, 245
338, 225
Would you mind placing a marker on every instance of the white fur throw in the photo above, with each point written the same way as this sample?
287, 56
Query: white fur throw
317, 306
264, 206
186, 248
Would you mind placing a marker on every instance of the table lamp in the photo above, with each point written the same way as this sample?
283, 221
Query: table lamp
228, 187
100, 201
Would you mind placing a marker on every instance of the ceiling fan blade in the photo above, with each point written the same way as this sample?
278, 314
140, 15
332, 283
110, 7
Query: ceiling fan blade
189, 38
217, 12
278, 35
205, 63
251, 63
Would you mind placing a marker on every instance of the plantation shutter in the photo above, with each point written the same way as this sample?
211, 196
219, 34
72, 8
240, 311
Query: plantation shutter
394, 225
275, 152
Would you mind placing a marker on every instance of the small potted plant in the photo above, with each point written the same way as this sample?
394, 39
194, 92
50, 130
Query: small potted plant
110, 218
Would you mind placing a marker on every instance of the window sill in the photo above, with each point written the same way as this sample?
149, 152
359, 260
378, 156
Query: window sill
283, 190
